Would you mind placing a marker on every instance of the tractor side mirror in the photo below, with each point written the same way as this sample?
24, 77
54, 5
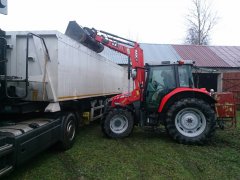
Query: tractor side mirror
134, 73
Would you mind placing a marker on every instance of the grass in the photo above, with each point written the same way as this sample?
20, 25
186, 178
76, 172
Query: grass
144, 155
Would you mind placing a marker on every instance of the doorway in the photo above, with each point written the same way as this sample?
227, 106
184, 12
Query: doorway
206, 80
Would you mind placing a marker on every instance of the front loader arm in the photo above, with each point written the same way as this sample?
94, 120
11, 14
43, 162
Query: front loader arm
127, 47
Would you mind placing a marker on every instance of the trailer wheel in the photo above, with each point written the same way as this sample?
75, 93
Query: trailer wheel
68, 131
118, 123
191, 121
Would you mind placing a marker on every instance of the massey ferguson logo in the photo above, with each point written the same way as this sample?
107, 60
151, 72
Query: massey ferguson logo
3, 7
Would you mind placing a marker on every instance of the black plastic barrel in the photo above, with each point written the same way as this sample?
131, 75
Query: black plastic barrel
84, 36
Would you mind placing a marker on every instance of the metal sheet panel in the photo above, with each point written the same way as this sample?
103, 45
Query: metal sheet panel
226, 110
114, 56
230, 83
225, 105
202, 55
72, 72
230, 54
153, 53
84, 73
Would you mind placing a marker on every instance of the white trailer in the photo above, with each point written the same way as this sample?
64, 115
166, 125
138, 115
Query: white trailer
49, 85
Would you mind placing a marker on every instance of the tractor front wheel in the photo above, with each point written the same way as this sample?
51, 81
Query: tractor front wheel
118, 123
191, 121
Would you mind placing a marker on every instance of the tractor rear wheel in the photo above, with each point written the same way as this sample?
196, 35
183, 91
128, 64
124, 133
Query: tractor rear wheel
118, 123
191, 121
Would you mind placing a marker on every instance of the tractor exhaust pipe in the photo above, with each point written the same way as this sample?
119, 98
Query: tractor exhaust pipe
85, 36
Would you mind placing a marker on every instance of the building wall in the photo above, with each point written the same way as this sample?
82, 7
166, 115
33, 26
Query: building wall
231, 83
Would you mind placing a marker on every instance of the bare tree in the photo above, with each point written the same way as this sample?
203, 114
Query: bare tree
201, 20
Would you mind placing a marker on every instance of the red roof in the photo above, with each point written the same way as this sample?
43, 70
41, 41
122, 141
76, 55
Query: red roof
203, 56
230, 54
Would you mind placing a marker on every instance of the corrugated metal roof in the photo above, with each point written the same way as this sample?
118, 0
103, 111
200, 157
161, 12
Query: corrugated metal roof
154, 53
202, 55
114, 56
230, 54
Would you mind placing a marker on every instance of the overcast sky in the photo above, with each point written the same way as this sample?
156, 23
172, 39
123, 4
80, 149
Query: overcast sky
148, 21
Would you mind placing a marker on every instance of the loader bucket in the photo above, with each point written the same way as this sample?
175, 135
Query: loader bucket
83, 36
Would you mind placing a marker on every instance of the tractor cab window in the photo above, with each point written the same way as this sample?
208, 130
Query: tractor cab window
185, 76
161, 80
162, 77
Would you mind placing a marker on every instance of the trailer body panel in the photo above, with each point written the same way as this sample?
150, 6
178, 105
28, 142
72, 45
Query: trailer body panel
72, 71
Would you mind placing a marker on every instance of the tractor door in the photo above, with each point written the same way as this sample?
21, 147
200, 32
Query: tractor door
160, 81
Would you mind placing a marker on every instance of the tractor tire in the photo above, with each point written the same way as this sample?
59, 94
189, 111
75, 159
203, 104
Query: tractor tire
191, 121
68, 131
118, 123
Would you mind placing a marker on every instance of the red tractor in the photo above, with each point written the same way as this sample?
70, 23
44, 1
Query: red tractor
163, 94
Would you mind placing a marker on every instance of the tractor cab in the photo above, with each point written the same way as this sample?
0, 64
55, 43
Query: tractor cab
164, 78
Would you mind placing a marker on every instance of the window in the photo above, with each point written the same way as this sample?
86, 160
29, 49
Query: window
163, 77
185, 76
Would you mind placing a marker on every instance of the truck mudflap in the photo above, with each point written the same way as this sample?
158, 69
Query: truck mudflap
19, 142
